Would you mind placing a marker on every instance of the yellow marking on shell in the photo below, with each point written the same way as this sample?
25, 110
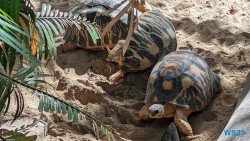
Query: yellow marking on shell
167, 85
136, 55
145, 63
195, 70
170, 66
187, 82
197, 98
153, 49
179, 56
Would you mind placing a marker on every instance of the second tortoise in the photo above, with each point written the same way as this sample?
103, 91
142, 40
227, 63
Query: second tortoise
153, 37
180, 83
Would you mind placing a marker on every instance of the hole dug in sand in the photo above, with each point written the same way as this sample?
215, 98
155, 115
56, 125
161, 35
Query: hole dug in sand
83, 95
82, 60
84, 81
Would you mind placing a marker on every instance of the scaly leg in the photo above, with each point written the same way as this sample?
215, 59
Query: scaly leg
181, 121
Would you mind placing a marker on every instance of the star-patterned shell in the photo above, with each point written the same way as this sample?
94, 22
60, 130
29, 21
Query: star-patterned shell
182, 78
96, 11
154, 37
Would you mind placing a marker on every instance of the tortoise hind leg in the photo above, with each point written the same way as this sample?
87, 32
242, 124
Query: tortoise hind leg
181, 121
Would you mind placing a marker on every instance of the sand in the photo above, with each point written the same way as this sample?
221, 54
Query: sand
205, 27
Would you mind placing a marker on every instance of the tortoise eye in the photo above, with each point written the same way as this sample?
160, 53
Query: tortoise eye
156, 112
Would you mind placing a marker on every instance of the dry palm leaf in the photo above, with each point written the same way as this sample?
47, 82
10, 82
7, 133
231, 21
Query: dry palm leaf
139, 5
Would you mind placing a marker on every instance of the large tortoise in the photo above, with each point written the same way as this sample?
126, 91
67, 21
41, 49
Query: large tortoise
179, 84
153, 37
96, 11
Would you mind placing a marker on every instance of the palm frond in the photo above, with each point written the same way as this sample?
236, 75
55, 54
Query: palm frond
29, 4
11, 7
50, 22
18, 29
48, 102
51, 103
10, 35
7, 87
14, 40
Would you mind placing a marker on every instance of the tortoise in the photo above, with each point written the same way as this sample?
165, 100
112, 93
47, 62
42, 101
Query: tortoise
95, 11
179, 84
153, 37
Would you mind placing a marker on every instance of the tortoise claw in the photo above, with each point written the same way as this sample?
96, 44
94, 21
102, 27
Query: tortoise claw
116, 77
171, 133
181, 121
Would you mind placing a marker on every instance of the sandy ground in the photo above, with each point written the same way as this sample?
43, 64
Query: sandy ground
205, 27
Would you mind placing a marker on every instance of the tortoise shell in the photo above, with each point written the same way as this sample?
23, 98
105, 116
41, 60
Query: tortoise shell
154, 37
95, 11
97, 8
182, 78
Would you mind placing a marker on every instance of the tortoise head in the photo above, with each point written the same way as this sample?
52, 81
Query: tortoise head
156, 111
115, 55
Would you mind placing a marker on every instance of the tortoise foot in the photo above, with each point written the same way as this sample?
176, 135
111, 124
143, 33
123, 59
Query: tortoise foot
181, 122
116, 77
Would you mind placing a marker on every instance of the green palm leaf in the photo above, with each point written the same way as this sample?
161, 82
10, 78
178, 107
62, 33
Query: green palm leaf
53, 21
70, 113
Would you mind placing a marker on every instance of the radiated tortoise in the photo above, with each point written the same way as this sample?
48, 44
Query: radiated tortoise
153, 37
179, 84
97, 11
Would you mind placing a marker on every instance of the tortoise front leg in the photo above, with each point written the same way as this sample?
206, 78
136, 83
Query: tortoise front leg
181, 121
116, 76
143, 113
